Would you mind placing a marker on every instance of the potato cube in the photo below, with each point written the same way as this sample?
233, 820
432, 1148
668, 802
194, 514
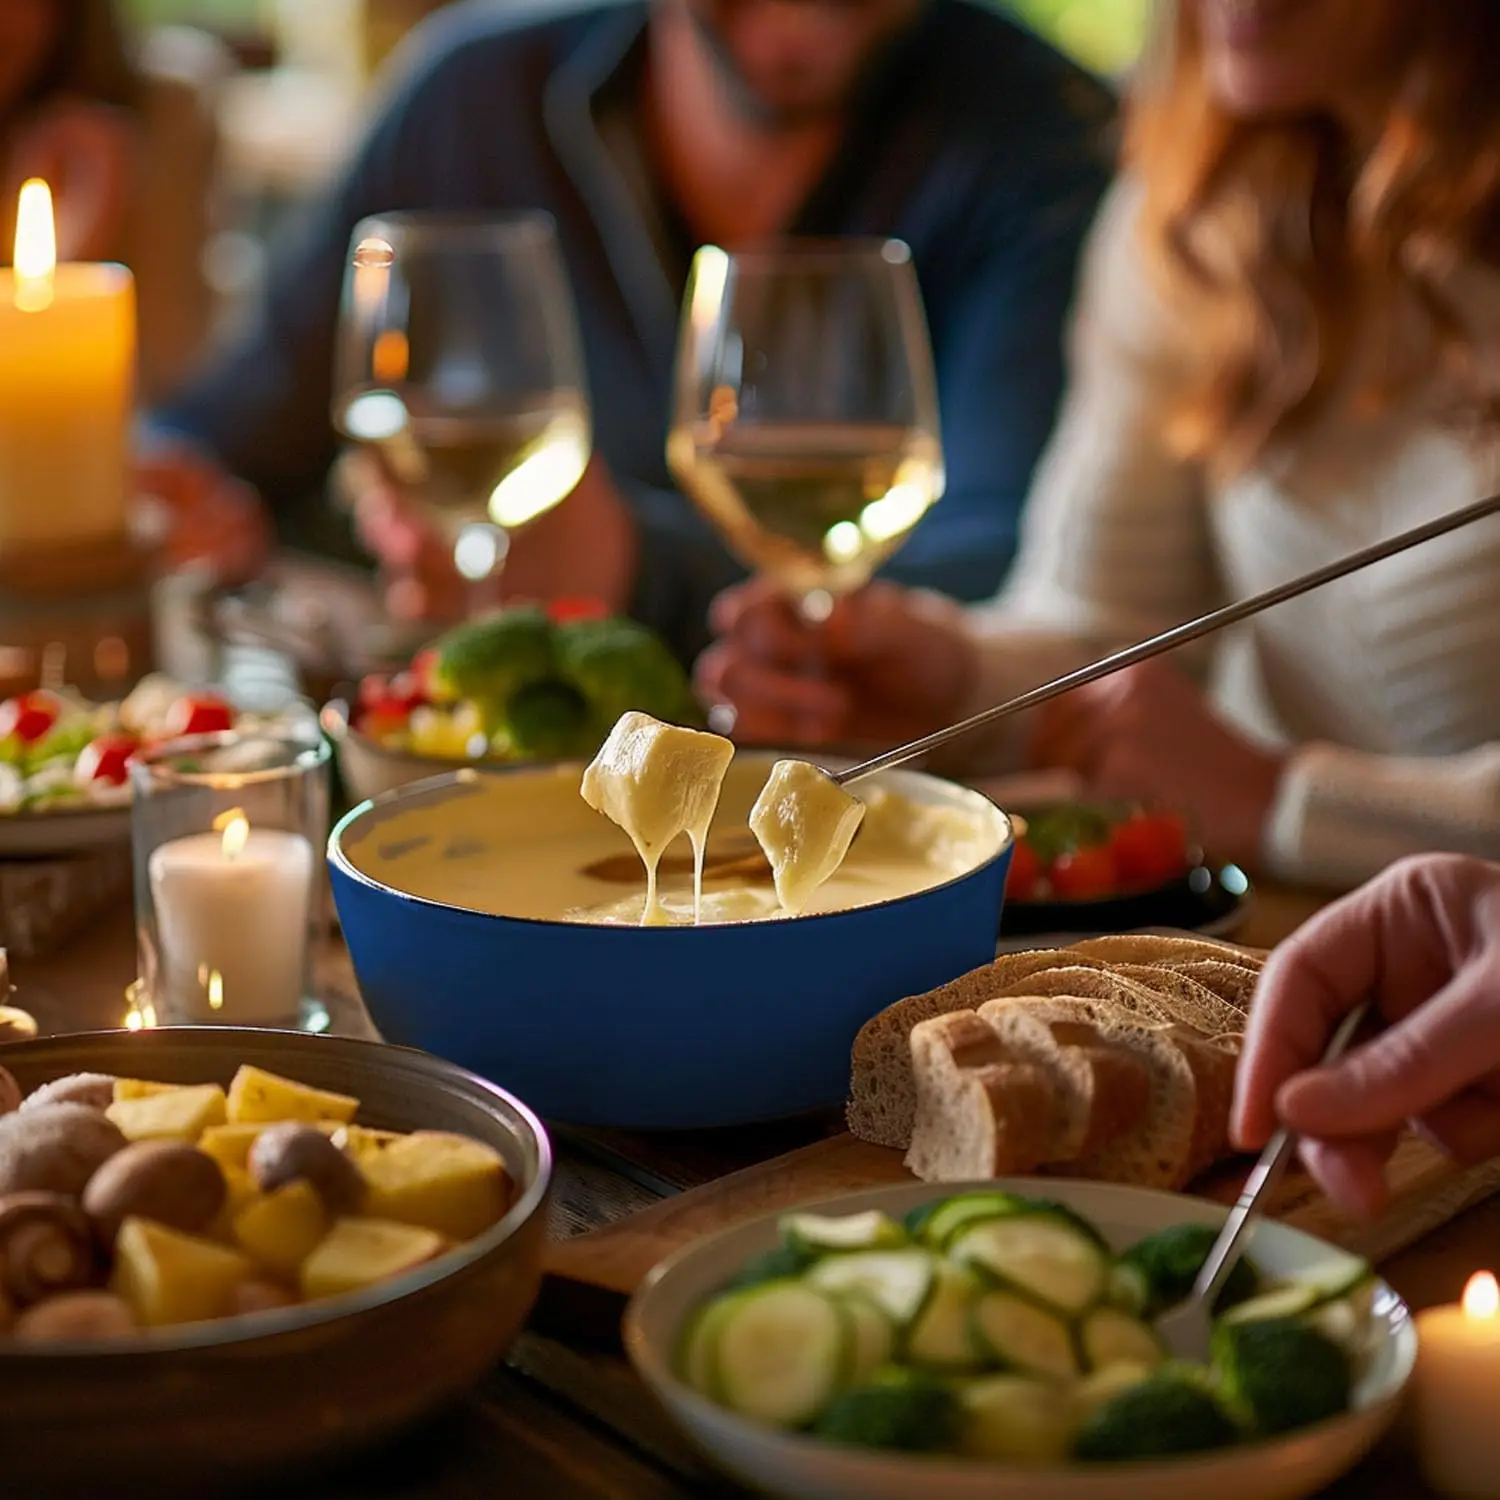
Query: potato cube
281, 1229
168, 1277
361, 1142
449, 1183
229, 1145
177, 1115
360, 1252
140, 1088
255, 1095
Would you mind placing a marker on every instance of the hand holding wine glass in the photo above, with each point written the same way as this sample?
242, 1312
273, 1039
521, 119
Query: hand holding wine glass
459, 381
806, 424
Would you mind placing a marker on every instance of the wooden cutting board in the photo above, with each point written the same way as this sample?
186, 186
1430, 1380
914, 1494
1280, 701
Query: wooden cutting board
1427, 1191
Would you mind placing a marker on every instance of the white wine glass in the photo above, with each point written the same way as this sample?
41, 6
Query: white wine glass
459, 374
806, 423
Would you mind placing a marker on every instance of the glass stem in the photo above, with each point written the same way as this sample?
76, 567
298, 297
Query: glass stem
479, 555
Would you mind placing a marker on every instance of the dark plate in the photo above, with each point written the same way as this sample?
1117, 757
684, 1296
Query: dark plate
1213, 900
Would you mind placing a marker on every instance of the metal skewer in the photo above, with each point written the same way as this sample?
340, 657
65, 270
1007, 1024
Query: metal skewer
1179, 635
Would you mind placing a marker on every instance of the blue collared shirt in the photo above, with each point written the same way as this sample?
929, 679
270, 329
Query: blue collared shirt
981, 147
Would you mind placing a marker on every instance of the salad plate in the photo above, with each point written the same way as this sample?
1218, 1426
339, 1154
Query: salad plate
666, 1322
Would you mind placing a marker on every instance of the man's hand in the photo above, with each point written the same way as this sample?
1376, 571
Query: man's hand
210, 517
1422, 941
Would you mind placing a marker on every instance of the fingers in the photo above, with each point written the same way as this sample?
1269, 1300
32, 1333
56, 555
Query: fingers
1468, 1127
1352, 1172
772, 706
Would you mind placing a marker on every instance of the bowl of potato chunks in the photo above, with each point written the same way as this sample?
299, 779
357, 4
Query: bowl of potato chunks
225, 1252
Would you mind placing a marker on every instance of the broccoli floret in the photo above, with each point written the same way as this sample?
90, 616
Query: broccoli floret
1281, 1373
1173, 1410
619, 665
1169, 1261
549, 721
781, 1264
896, 1408
488, 661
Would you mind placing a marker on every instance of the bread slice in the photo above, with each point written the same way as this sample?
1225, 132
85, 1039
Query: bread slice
1161, 948
1082, 983
1214, 1063
979, 1114
1154, 1151
1100, 1090
1184, 1000
882, 1091
1234, 984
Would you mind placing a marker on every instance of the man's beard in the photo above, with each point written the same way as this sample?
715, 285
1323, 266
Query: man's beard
766, 114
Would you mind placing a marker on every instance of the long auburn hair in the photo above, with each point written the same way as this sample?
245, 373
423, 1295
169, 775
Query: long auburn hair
1312, 245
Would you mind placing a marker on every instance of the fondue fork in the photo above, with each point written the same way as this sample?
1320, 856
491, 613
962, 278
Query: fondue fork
1169, 640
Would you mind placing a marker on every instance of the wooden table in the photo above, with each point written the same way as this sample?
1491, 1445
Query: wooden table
564, 1417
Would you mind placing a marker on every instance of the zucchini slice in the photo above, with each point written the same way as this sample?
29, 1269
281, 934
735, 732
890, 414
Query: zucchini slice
1128, 1288
817, 1234
941, 1337
1111, 1337
948, 1218
872, 1334
1018, 1335
779, 1352
1040, 1254
1290, 1301
1018, 1420
898, 1281
695, 1354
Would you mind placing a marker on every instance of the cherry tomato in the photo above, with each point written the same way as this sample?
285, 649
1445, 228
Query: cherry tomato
565, 611
105, 759
30, 716
1084, 875
1150, 849
377, 723
1025, 872
424, 673
373, 690
197, 713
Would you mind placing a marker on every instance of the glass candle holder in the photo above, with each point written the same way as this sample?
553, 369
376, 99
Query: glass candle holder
228, 832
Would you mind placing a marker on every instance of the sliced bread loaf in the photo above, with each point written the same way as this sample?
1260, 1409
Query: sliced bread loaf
1214, 1063
1162, 948
1185, 1001
1232, 983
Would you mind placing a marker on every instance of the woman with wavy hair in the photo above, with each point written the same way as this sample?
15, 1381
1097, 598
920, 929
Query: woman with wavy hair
1286, 346
67, 89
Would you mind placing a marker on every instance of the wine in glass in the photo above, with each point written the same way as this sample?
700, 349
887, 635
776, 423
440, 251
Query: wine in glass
806, 422
459, 373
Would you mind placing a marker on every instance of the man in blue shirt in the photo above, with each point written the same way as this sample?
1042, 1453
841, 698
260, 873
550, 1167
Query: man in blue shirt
647, 129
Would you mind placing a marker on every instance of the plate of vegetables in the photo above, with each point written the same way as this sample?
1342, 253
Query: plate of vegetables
1096, 867
64, 778
997, 1342
522, 685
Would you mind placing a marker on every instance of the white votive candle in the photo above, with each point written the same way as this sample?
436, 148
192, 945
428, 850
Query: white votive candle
232, 911
1457, 1393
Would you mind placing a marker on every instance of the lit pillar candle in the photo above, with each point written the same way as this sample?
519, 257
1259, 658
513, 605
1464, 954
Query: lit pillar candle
1457, 1393
67, 360
232, 909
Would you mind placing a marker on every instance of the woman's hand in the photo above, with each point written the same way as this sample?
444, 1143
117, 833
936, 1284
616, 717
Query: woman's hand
888, 665
85, 154
1149, 732
584, 548
209, 517
1422, 941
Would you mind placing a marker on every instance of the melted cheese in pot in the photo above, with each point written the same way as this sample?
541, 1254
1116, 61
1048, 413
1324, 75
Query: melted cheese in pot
658, 781
805, 822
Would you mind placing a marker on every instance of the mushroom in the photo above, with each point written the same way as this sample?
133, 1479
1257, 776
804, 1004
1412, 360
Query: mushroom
54, 1148
288, 1152
75, 1316
96, 1090
46, 1247
168, 1182
10, 1092
258, 1297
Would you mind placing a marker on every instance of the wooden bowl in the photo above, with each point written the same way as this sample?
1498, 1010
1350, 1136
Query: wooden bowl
207, 1403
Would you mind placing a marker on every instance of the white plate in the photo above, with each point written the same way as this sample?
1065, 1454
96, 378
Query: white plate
805, 1468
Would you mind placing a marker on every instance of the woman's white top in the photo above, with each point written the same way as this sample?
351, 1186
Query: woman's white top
1386, 684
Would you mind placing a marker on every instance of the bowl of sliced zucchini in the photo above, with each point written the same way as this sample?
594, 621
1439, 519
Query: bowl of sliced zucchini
997, 1341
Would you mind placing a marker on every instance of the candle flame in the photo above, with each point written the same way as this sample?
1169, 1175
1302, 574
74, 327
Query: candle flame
1482, 1296
235, 827
216, 991
36, 246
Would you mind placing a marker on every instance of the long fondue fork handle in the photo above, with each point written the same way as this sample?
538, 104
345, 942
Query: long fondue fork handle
1179, 635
